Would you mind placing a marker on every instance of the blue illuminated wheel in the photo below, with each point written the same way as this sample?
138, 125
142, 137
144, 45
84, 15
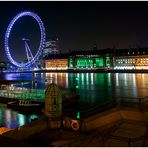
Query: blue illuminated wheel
42, 39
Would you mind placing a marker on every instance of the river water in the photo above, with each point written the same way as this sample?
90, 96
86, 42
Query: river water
93, 88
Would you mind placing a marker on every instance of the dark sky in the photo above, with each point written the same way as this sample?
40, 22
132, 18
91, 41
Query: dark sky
78, 24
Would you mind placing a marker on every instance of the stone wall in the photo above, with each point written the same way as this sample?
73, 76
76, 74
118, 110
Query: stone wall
112, 116
24, 132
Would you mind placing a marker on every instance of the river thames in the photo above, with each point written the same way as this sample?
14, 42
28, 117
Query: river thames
93, 88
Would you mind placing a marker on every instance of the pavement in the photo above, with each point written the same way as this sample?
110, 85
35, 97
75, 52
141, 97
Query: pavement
121, 134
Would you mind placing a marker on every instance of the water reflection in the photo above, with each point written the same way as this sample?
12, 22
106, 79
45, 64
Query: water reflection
125, 79
117, 79
13, 119
92, 85
21, 119
109, 79
93, 88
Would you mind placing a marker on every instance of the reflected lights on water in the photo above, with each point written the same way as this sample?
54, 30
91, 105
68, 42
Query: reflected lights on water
117, 79
21, 120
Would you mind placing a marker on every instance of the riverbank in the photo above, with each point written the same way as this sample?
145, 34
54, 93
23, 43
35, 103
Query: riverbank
115, 127
84, 71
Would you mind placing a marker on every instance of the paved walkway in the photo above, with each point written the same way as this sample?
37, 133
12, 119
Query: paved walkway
123, 133
127, 134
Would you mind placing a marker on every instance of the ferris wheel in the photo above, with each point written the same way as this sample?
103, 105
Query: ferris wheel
29, 56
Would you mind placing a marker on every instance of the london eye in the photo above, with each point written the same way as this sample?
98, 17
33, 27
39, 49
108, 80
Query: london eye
30, 58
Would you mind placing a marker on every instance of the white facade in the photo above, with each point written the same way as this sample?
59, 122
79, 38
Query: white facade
51, 47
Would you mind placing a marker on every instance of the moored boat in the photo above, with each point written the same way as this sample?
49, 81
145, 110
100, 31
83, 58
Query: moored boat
25, 105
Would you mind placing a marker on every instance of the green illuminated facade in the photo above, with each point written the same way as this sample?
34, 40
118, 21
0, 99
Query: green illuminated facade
89, 62
107, 60
84, 62
99, 62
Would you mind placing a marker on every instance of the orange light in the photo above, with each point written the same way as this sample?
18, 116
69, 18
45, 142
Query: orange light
56, 64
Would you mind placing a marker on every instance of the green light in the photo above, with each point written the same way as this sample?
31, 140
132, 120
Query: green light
32, 117
70, 62
85, 62
78, 115
99, 62
21, 119
107, 61
77, 86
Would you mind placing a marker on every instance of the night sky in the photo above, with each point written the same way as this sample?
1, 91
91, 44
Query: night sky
78, 25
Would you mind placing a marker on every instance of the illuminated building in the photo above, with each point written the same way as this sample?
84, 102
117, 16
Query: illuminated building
56, 62
131, 59
80, 60
100, 59
51, 47
91, 59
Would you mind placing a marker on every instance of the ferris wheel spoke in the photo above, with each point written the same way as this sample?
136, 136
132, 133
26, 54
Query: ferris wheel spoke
29, 52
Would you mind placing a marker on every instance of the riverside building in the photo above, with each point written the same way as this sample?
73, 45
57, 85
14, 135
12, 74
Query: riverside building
135, 58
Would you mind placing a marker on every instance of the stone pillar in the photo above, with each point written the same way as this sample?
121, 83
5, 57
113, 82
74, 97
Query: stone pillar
53, 106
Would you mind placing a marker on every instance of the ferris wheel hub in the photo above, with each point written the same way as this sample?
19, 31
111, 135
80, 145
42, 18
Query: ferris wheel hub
25, 39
